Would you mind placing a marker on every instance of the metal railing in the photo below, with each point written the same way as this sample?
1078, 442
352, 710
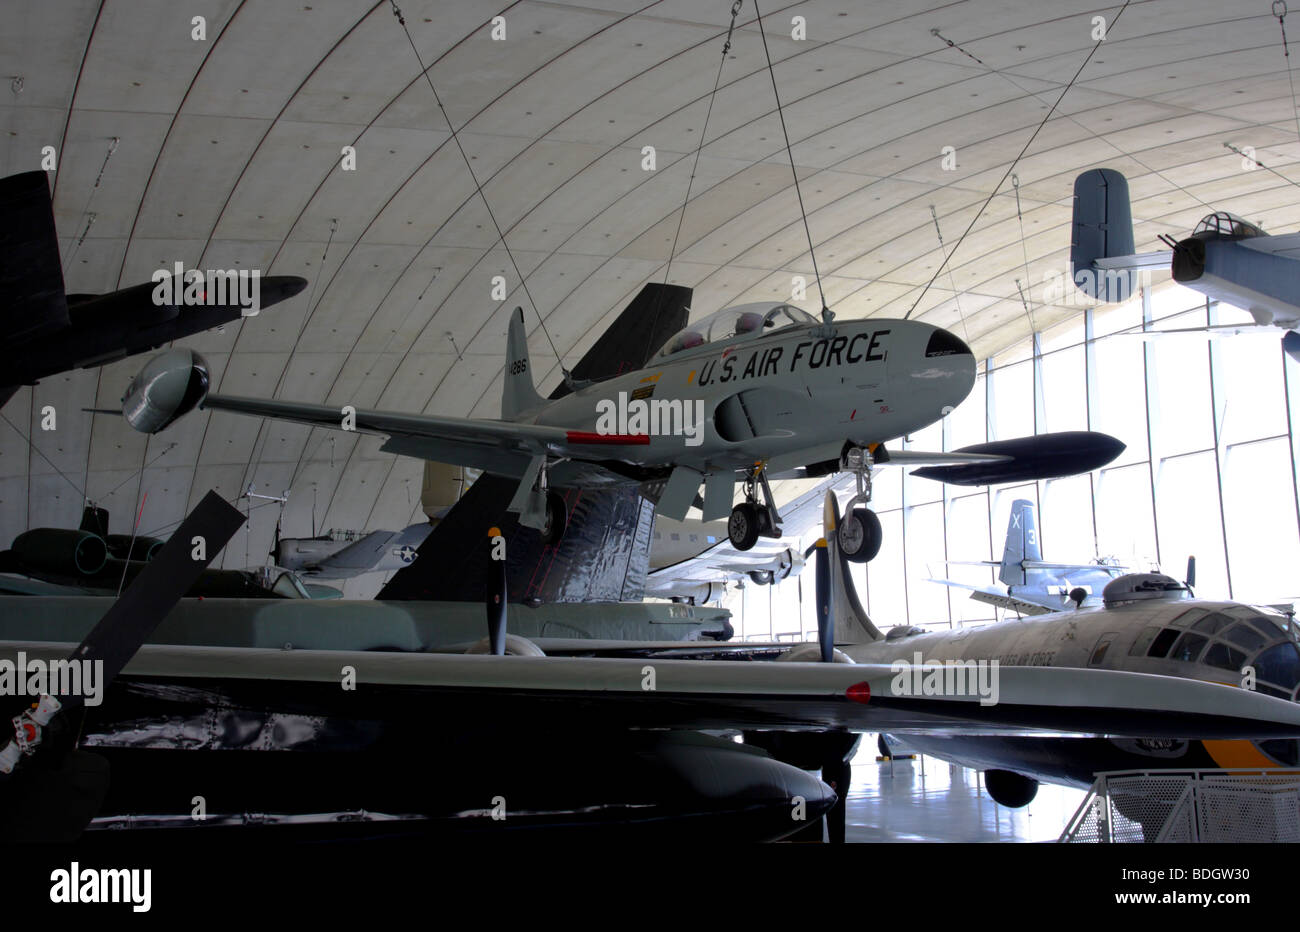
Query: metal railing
1237, 805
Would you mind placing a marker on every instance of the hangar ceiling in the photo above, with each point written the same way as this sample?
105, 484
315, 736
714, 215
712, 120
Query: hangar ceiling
229, 157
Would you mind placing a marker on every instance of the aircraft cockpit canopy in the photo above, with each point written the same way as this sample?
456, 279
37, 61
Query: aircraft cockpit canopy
1230, 638
742, 320
1223, 225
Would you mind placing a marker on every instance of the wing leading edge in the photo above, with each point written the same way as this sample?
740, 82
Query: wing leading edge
695, 694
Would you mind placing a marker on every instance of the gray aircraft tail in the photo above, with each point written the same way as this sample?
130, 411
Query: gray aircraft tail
519, 393
852, 625
1022, 544
1102, 229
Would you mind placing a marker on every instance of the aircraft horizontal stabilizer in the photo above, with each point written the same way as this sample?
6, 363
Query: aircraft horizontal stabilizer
695, 694
1009, 602
1159, 260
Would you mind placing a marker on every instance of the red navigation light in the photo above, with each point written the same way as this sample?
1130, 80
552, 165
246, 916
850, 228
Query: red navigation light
859, 692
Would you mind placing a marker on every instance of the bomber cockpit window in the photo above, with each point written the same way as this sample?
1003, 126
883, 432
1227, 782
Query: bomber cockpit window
1212, 624
1247, 637
1279, 664
1189, 647
1223, 225
1224, 657
1164, 640
1187, 617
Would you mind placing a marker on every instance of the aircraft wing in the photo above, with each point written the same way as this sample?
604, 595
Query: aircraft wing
1286, 245
705, 694
1143, 260
503, 447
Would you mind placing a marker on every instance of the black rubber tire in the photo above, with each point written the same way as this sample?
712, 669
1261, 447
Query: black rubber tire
860, 535
762, 577
742, 528
557, 518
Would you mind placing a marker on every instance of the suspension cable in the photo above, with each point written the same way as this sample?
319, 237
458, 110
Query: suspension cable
952, 281
1279, 10
478, 187
826, 312
85, 211
726, 48
1010, 168
1024, 251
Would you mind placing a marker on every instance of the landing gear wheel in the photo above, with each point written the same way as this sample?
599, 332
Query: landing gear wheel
860, 535
743, 527
762, 577
557, 518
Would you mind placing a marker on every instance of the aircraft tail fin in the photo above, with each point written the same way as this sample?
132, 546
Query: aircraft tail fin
836, 593
519, 393
656, 313
1102, 229
1022, 544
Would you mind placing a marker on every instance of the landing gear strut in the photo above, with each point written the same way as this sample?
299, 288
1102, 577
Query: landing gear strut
749, 519
538, 506
859, 532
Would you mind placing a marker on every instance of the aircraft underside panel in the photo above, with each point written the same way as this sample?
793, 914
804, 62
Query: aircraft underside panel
603, 556
1065, 761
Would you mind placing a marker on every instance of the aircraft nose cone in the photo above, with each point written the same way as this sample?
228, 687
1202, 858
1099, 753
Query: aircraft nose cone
277, 288
946, 369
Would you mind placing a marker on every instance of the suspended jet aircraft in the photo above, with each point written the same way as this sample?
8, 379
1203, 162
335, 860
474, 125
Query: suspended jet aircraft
1034, 587
47, 331
1225, 258
748, 391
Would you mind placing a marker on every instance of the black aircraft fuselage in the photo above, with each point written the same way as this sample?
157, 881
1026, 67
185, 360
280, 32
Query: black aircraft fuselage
106, 327
46, 331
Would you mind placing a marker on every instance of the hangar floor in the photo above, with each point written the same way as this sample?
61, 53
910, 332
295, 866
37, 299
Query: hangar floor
930, 800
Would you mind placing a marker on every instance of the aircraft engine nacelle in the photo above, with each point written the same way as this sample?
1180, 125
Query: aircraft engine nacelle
61, 551
172, 384
126, 547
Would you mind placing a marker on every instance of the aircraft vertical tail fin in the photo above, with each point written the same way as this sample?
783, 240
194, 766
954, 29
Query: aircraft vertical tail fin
1022, 543
519, 393
850, 622
1102, 228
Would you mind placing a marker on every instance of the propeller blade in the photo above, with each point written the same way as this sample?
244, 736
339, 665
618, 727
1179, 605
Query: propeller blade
496, 594
825, 608
1190, 579
1291, 344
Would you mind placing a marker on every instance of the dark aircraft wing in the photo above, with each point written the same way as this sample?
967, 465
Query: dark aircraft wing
696, 694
